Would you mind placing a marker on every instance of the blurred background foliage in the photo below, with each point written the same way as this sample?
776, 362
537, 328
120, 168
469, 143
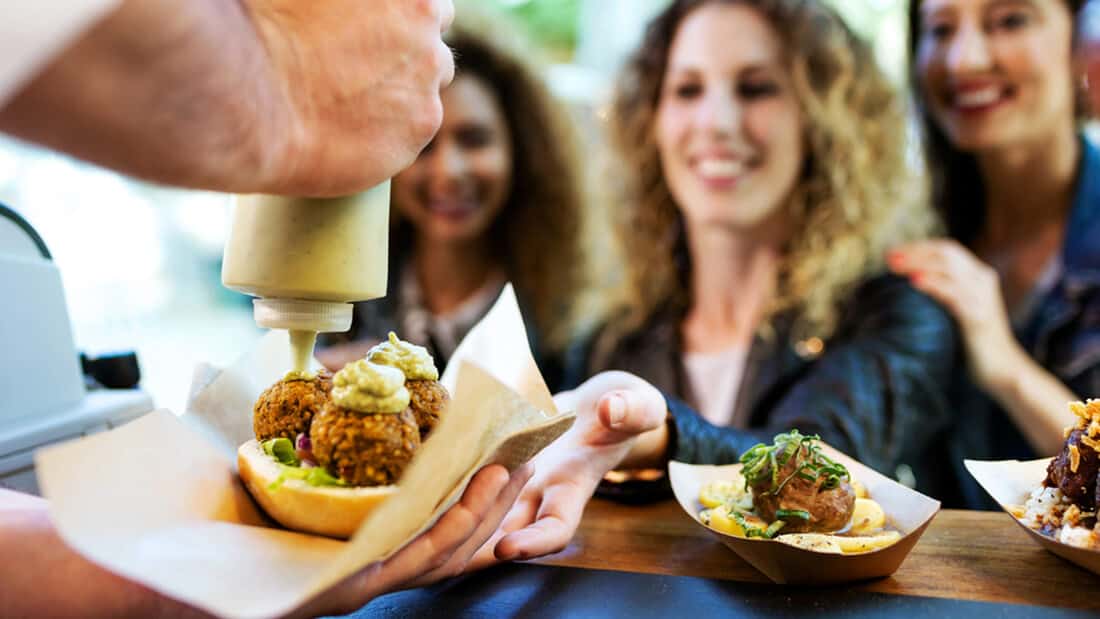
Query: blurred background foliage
552, 23
558, 25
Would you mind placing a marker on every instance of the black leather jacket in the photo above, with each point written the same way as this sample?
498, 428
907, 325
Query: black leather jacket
877, 391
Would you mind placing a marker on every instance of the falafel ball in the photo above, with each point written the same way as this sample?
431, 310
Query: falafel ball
285, 409
427, 400
364, 449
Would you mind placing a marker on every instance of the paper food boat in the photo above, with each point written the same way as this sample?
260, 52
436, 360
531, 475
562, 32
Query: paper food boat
159, 501
907, 510
1010, 482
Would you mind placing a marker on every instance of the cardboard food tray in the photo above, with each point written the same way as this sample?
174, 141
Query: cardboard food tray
1010, 482
906, 510
159, 500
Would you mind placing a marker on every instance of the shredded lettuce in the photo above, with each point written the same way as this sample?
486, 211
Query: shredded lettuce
282, 450
290, 466
315, 476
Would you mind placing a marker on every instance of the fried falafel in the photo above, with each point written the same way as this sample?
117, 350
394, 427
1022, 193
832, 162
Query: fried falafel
427, 399
428, 396
286, 408
364, 449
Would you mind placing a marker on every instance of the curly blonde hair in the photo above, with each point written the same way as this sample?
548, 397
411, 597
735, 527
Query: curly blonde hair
539, 233
858, 194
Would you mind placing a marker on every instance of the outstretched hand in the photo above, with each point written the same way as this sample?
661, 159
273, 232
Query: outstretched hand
615, 410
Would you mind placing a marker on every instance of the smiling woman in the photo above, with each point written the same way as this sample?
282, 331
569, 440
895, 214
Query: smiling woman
764, 176
758, 164
1001, 94
803, 105
461, 180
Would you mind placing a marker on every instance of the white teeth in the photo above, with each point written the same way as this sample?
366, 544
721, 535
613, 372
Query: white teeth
720, 167
977, 98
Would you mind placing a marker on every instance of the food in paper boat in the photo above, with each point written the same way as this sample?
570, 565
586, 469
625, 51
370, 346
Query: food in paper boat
330, 450
793, 493
1064, 507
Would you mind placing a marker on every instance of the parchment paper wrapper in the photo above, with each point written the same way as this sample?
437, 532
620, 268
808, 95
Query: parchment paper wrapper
1010, 482
906, 510
159, 501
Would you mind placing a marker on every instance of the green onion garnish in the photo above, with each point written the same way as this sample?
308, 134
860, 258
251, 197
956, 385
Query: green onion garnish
763, 462
786, 514
774, 528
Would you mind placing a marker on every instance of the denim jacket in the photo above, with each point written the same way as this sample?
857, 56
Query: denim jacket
877, 391
1064, 335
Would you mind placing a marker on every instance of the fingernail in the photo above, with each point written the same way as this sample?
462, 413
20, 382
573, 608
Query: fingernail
616, 410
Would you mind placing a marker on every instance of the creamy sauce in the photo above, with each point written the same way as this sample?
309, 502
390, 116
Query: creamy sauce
414, 361
370, 388
301, 348
314, 249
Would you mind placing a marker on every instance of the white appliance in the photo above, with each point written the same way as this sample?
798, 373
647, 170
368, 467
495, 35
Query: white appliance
43, 399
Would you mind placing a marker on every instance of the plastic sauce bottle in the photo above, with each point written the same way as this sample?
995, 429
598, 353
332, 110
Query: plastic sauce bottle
306, 260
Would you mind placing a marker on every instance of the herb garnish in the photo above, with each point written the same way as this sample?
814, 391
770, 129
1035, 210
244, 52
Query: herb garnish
762, 462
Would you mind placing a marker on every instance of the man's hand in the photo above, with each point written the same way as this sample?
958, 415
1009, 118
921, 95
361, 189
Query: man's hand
363, 82
246, 96
51, 580
615, 411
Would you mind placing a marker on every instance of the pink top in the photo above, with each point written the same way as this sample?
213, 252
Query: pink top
715, 380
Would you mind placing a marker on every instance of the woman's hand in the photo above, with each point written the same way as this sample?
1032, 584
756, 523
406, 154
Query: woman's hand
971, 292
618, 416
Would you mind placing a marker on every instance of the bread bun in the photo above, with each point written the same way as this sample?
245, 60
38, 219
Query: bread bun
325, 510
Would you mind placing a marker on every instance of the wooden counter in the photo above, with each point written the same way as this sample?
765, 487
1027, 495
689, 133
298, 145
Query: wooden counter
966, 555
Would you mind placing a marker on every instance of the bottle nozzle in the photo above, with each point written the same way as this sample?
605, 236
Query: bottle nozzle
302, 315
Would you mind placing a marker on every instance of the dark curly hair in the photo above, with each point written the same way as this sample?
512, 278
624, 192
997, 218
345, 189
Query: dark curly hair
540, 232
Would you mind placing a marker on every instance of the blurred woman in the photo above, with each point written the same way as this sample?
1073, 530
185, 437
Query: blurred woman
495, 197
765, 176
1019, 188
